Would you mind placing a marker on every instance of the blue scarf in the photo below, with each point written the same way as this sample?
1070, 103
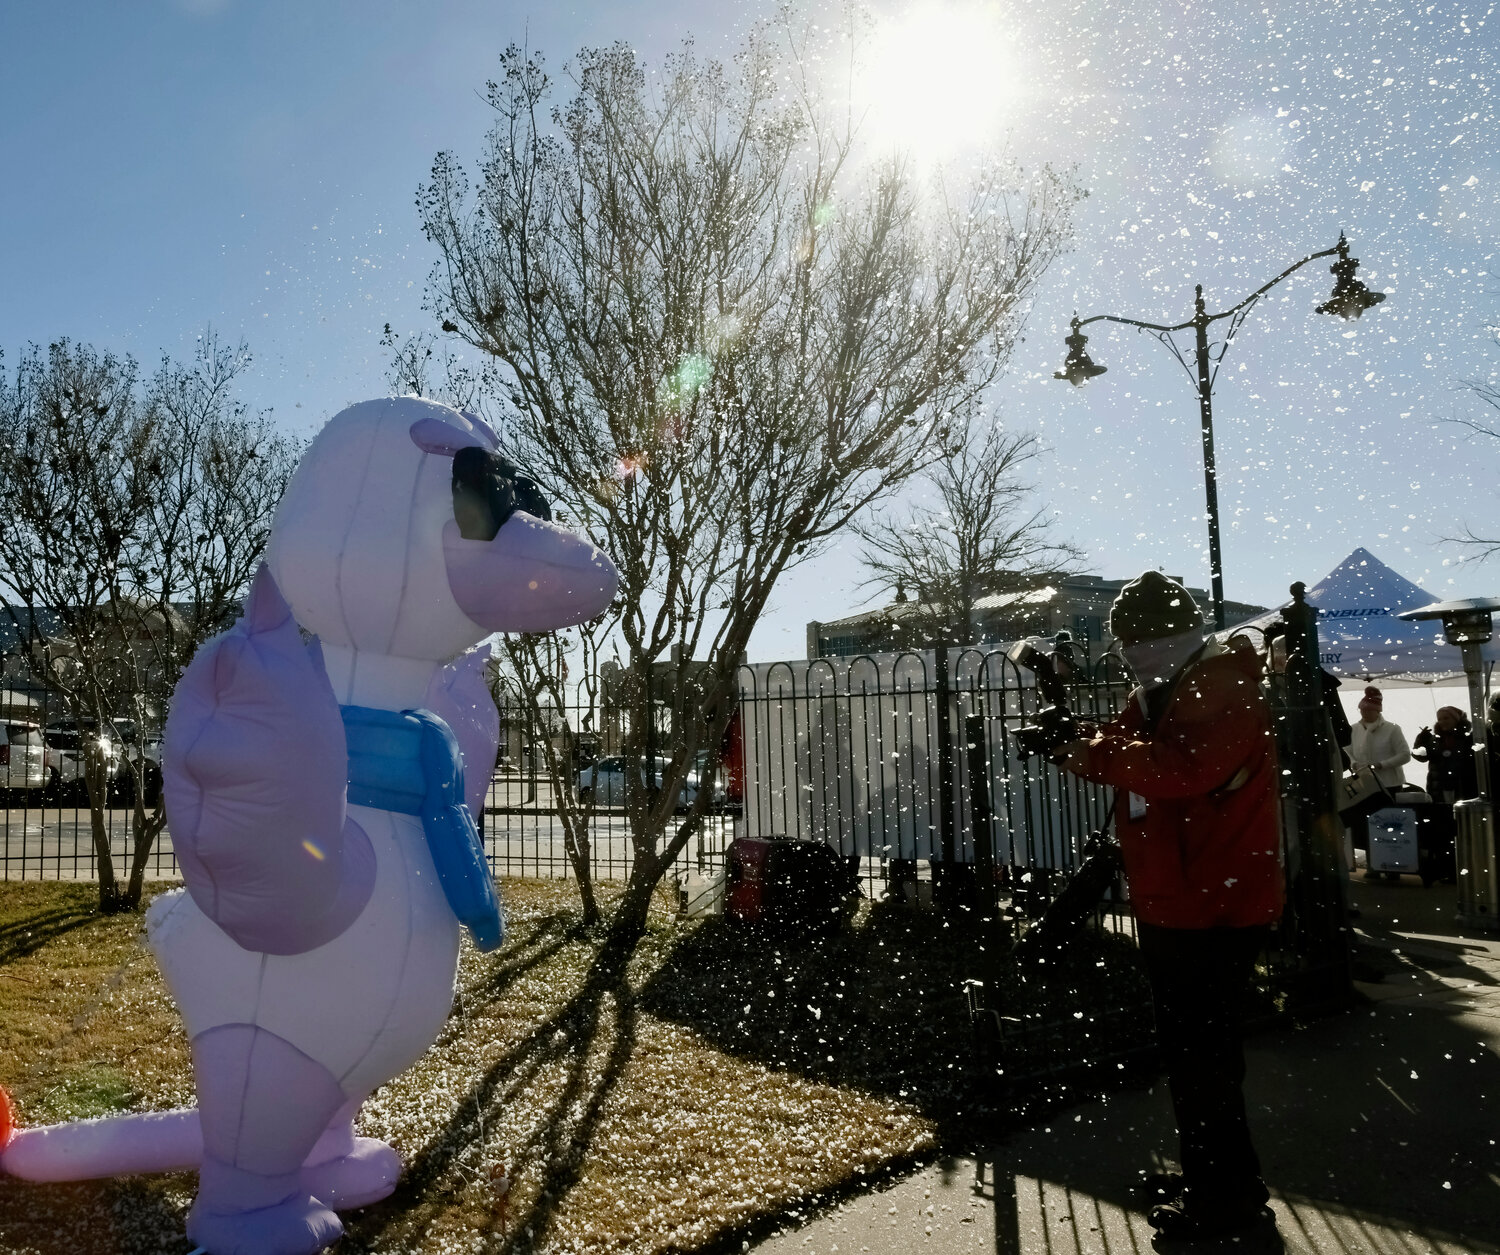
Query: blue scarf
410, 763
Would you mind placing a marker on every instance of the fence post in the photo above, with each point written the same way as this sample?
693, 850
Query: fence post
945, 878
1319, 900
980, 810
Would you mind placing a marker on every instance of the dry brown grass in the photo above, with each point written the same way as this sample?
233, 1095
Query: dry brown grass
719, 1081
86, 1027
625, 1124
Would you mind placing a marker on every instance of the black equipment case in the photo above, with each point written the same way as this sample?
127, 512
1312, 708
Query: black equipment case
789, 885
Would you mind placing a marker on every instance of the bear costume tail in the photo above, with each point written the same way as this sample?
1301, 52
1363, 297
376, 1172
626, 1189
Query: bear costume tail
343, 1171
151, 1141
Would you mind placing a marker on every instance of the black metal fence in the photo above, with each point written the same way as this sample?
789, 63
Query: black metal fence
46, 838
903, 760
907, 759
47, 834
524, 832
46, 831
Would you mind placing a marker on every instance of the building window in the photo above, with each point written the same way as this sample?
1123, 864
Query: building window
840, 646
1088, 627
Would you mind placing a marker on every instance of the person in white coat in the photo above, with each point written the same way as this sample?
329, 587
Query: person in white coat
1379, 743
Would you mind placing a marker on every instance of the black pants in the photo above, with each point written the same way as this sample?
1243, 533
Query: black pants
1198, 981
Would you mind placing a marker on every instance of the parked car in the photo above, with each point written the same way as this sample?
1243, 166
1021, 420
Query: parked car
23, 757
719, 803
147, 748
67, 748
603, 783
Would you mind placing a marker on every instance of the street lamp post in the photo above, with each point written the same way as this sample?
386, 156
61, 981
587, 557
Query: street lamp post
1350, 299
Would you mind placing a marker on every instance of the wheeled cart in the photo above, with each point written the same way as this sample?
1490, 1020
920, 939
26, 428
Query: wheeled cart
1393, 848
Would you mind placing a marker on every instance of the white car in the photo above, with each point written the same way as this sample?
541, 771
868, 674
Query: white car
67, 744
23, 756
603, 784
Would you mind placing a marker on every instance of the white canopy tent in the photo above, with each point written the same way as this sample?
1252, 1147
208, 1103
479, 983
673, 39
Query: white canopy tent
1359, 635
1361, 640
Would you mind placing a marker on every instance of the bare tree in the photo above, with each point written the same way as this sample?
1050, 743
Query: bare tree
559, 701
529, 673
981, 538
719, 339
136, 513
422, 366
1487, 391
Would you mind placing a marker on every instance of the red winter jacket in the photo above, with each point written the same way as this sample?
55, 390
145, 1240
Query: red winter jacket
1207, 850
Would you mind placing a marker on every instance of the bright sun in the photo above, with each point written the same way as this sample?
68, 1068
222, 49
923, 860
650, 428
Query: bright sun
936, 78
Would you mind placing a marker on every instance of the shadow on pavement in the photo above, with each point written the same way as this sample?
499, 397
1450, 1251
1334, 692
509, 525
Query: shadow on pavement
1384, 1115
1382, 1118
1376, 1129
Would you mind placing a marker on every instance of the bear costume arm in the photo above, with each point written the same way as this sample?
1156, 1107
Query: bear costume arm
255, 771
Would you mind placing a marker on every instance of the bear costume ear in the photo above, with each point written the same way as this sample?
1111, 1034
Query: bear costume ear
254, 770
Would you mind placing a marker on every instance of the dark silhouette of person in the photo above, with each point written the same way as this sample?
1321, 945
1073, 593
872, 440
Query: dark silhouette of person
1193, 763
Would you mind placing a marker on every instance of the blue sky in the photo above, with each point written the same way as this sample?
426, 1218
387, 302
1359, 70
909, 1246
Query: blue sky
253, 166
250, 165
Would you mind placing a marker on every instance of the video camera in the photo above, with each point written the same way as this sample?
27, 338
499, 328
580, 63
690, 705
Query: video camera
1054, 723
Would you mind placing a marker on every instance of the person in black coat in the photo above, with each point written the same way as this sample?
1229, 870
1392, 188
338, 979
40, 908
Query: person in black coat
1492, 735
1448, 750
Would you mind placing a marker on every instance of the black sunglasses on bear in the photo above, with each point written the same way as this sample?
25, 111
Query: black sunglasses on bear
487, 490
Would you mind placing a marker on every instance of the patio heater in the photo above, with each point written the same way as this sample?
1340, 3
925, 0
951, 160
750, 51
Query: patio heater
1469, 624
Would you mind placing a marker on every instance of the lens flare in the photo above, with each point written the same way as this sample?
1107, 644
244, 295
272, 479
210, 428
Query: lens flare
683, 384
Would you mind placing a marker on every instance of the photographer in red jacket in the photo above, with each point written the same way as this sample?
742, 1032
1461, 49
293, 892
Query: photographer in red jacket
1193, 764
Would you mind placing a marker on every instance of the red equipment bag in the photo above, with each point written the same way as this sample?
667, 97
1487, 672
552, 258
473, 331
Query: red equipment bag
789, 885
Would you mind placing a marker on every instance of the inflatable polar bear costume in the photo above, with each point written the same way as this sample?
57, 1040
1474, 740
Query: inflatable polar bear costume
320, 815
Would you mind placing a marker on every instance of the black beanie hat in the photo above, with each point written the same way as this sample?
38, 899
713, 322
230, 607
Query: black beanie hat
1153, 606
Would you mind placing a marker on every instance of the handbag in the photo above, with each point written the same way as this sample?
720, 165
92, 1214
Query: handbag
1360, 792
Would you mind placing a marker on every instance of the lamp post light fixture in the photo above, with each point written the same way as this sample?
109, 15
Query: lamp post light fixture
1078, 367
1350, 299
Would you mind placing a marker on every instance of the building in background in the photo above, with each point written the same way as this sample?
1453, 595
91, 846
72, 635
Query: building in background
1078, 603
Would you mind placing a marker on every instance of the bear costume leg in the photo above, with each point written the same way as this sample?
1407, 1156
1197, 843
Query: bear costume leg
263, 1105
345, 1171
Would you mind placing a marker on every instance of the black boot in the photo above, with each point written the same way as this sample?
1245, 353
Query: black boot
1195, 1217
1160, 1187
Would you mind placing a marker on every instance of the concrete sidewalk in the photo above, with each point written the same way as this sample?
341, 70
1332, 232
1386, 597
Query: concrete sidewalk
1377, 1129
